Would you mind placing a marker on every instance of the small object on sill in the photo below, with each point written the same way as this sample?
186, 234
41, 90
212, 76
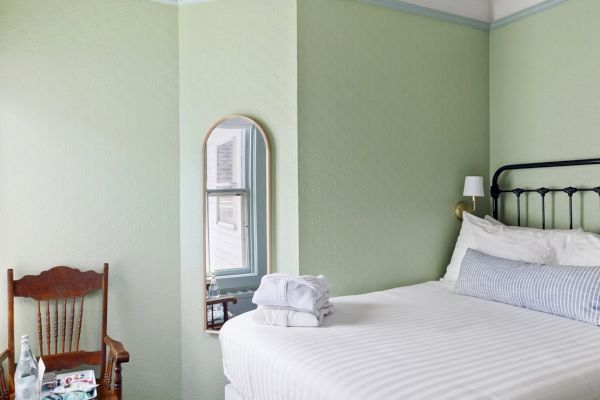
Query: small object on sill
218, 307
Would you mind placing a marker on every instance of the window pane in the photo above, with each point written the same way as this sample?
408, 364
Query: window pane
226, 159
227, 232
226, 211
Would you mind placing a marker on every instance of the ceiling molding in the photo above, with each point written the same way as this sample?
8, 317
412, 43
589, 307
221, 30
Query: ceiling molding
463, 12
479, 14
525, 13
430, 12
480, 10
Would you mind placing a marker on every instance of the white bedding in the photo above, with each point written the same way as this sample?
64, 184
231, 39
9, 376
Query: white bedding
415, 342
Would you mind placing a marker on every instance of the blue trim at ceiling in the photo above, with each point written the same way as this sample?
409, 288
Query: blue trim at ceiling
428, 12
473, 23
526, 13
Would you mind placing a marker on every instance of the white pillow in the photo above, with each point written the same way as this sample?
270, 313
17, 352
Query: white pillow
516, 243
493, 220
583, 249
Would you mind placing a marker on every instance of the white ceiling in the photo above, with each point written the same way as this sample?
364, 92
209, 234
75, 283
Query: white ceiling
481, 10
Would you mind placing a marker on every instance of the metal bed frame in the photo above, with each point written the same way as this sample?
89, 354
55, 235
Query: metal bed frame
496, 190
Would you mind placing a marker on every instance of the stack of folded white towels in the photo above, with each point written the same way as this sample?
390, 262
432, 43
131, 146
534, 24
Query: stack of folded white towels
287, 300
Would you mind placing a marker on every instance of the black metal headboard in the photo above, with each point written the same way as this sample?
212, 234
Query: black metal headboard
496, 191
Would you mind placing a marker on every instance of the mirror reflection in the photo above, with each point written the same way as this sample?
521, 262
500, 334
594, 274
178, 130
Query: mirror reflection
236, 216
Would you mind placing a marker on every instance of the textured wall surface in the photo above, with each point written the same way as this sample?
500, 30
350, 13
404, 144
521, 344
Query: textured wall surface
89, 167
544, 100
375, 117
236, 57
393, 113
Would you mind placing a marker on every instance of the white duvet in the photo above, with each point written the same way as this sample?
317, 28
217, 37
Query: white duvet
415, 342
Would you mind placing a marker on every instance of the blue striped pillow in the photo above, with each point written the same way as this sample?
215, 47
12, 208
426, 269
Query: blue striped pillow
568, 291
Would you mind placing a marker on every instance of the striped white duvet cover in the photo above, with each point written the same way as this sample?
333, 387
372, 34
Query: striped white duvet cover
416, 342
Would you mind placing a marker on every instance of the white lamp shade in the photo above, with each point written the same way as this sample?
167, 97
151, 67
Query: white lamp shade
473, 186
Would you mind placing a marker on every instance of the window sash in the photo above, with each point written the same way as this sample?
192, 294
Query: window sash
245, 231
247, 174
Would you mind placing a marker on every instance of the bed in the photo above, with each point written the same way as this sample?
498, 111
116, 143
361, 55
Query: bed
418, 342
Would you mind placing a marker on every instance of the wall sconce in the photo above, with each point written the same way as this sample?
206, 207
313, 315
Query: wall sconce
474, 188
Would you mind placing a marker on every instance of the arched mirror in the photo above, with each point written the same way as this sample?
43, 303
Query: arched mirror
237, 214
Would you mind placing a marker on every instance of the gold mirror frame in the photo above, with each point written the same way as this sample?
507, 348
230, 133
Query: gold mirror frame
204, 205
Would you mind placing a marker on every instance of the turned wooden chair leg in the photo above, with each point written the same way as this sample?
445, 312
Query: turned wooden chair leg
118, 387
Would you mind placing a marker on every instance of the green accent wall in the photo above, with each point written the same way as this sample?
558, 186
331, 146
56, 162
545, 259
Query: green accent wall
544, 101
236, 57
392, 114
89, 169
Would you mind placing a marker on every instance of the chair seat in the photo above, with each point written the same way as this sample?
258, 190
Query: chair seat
102, 395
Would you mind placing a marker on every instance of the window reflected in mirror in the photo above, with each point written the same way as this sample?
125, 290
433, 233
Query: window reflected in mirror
236, 217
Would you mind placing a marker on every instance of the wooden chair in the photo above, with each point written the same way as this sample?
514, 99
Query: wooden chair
59, 293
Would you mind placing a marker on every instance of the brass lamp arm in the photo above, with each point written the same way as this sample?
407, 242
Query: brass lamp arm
462, 206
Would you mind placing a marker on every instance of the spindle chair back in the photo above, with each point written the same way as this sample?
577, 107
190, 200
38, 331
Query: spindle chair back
59, 294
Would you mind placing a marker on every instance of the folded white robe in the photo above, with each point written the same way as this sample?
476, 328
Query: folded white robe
301, 293
292, 318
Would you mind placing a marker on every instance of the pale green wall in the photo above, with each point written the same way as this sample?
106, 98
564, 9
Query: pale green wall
236, 56
375, 117
89, 168
544, 95
393, 113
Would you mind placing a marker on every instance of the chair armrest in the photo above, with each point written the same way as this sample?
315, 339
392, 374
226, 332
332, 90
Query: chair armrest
112, 379
222, 300
3, 356
117, 349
